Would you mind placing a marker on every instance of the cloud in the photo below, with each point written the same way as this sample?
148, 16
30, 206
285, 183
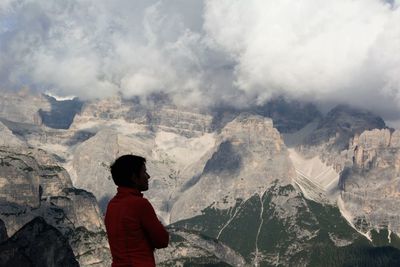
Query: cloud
206, 52
343, 51
94, 49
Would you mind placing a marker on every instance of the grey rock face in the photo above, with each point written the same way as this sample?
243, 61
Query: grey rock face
185, 123
163, 117
91, 163
23, 106
53, 180
19, 179
8, 138
37, 244
52, 197
371, 188
110, 108
90, 248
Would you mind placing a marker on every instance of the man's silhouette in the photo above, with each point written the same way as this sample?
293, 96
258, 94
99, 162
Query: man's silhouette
133, 229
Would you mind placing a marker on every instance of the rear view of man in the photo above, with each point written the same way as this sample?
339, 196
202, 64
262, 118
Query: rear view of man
133, 229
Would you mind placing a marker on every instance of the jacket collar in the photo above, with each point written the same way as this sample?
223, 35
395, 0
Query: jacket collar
128, 190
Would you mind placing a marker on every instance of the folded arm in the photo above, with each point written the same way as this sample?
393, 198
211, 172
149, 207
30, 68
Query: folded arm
156, 232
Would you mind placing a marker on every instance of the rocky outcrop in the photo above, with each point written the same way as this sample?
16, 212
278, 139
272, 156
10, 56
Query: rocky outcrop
37, 244
41, 188
188, 247
19, 179
376, 149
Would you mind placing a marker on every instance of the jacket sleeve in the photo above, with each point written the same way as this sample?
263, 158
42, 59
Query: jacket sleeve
156, 232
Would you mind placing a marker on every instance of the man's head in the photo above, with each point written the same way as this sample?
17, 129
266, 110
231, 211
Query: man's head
130, 171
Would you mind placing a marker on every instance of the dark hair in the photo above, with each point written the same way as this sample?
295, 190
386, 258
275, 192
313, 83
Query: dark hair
125, 167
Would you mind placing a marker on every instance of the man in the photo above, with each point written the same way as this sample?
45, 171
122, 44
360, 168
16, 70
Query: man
133, 229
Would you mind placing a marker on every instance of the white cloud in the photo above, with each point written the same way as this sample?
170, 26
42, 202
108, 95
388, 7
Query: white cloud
204, 52
96, 48
336, 50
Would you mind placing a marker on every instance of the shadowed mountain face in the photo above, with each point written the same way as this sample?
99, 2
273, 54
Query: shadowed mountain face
226, 153
37, 244
61, 113
342, 123
289, 115
3, 232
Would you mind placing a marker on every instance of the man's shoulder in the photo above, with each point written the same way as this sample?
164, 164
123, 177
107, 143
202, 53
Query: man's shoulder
138, 200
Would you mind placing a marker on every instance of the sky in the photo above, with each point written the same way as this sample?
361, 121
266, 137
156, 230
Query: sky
206, 53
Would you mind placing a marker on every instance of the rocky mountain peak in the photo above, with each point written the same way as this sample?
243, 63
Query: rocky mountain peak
346, 117
341, 124
251, 129
249, 157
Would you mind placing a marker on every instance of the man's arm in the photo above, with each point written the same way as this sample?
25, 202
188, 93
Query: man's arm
159, 237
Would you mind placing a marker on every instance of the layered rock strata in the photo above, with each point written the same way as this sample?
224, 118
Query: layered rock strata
165, 117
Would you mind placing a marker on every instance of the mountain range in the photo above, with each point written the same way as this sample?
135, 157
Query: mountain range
279, 184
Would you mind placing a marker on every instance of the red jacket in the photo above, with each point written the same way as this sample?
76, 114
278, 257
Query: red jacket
133, 229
